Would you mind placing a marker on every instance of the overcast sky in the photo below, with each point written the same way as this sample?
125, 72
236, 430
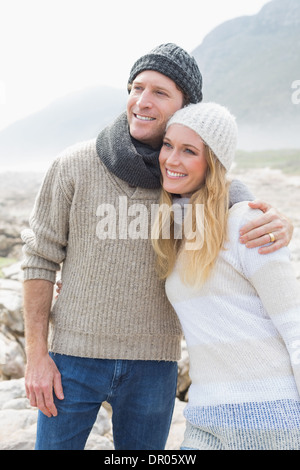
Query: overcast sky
49, 48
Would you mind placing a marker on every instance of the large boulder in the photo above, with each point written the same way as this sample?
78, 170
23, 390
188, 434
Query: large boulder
12, 355
11, 305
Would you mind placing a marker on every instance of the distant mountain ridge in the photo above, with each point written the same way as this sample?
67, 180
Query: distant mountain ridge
76, 117
248, 64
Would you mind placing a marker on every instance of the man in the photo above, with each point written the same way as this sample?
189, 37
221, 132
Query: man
114, 336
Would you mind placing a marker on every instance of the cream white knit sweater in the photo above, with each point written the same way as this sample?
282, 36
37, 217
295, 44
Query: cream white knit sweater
242, 329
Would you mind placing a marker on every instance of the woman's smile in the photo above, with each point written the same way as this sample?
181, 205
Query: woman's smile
182, 160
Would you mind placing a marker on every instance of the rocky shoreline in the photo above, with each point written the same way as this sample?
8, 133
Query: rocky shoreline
17, 417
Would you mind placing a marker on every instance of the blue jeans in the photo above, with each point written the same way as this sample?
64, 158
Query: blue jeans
141, 394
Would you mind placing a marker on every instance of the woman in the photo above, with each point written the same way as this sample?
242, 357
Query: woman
240, 311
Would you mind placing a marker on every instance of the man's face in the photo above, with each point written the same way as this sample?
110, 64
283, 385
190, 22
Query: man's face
153, 99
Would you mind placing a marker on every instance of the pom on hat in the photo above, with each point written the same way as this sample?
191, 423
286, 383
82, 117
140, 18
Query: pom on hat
214, 124
174, 62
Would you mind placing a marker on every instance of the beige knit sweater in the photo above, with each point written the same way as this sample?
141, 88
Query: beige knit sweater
112, 304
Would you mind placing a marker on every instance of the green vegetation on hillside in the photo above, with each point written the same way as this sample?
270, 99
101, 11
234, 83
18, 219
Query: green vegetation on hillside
287, 160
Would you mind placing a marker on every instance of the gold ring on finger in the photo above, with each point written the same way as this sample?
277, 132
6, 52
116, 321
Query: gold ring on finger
272, 237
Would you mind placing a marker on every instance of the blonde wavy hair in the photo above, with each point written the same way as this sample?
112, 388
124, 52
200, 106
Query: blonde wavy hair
195, 265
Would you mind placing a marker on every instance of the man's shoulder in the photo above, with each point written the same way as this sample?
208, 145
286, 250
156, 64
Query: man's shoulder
78, 160
81, 151
75, 165
243, 213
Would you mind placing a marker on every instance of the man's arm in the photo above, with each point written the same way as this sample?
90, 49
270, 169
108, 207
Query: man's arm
44, 249
42, 376
256, 233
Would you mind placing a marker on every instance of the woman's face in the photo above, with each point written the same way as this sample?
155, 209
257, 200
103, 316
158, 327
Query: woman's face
182, 161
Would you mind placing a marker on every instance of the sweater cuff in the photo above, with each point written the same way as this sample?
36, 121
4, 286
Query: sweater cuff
38, 273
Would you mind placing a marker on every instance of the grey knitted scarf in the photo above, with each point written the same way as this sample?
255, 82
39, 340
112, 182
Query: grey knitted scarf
125, 157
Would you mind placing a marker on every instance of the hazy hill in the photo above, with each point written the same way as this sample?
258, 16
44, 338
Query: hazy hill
70, 119
248, 64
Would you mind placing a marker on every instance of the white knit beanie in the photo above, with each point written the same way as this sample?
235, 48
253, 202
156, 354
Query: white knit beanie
214, 124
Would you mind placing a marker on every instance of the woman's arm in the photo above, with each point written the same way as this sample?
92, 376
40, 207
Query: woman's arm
275, 282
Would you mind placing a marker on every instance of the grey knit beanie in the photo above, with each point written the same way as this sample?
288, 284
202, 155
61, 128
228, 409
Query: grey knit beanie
214, 124
175, 63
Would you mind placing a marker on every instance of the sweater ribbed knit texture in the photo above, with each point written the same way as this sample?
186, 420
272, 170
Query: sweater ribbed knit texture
242, 329
112, 304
